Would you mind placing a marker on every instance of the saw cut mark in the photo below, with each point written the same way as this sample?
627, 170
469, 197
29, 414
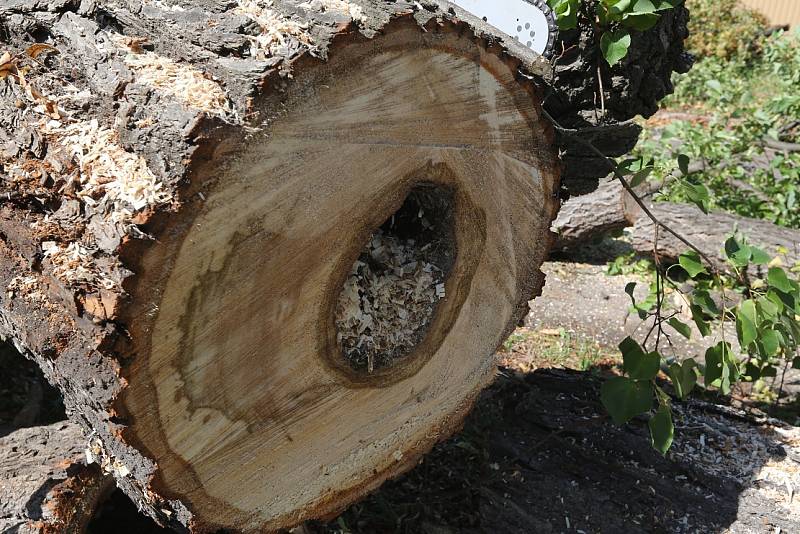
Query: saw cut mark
395, 285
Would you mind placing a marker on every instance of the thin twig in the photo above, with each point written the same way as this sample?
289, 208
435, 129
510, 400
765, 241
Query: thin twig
602, 92
783, 382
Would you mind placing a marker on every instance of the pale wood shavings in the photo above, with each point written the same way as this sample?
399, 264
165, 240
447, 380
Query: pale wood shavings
355, 12
387, 301
74, 265
97, 453
277, 30
166, 7
183, 82
107, 171
87, 158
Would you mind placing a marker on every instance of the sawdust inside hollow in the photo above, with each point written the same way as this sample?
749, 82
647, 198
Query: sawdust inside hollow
395, 286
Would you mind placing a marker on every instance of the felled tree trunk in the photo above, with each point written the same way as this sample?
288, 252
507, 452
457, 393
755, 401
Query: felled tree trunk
46, 486
189, 196
266, 250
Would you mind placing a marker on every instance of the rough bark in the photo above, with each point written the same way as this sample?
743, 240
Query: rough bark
46, 485
709, 232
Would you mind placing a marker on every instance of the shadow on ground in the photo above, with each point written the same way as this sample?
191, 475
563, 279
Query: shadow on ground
538, 455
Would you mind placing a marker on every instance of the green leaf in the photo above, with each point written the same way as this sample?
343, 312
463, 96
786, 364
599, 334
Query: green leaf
615, 45
632, 165
691, 263
777, 278
640, 21
759, 256
638, 364
768, 308
738, 253
662, 431
643, 6
684, 377
683, 164
702, 298
566, 12
699, 320
720, 369
662, 5
630, 287
778, 299
681, 327
769, 342
625, 398
746, 323
699, 196
752, 372
640, 176
796, 363
714, 366
618, 7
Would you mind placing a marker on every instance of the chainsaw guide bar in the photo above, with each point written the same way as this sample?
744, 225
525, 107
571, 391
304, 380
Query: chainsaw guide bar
531, 22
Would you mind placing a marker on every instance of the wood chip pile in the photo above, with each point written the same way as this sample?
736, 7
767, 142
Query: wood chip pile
388, 301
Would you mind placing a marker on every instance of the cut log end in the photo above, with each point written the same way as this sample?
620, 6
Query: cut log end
244, 384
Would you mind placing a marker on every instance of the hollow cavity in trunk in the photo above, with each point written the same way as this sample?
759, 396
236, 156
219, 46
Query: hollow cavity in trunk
396, 283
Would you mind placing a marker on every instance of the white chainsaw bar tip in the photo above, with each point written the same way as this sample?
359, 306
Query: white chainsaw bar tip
531, 22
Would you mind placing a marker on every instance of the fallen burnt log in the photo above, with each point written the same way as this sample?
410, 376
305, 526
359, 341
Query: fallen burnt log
248, 240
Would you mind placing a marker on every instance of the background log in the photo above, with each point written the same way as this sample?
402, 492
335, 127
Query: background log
611, 208
586, 217
46, 485
709, 233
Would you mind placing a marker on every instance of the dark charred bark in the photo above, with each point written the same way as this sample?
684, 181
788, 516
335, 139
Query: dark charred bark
631, 88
